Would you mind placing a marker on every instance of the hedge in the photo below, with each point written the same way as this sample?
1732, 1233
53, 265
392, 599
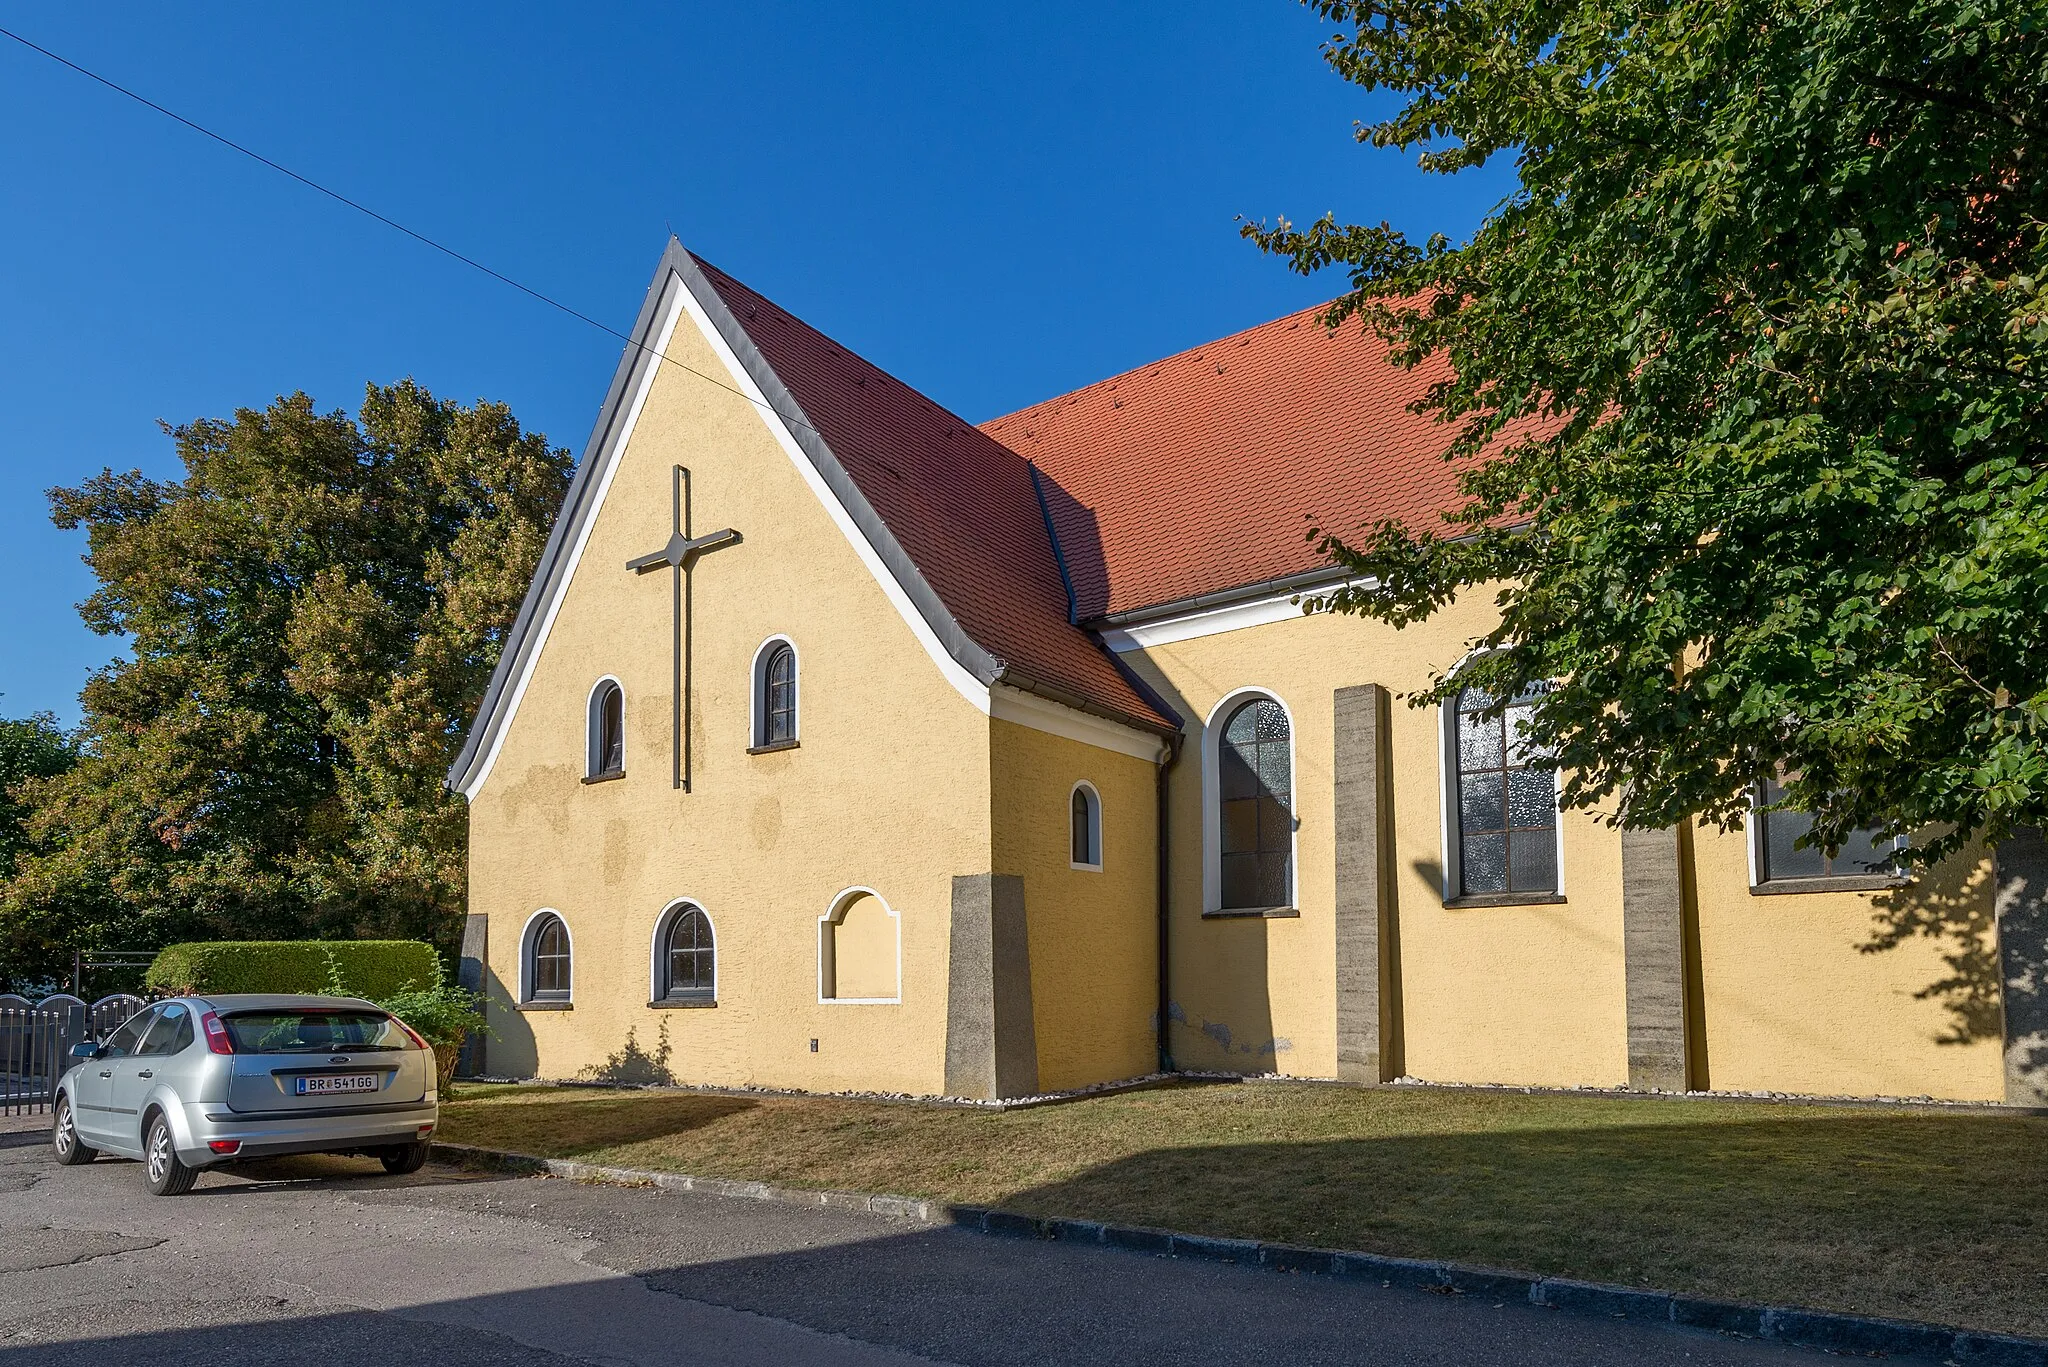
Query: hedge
366, 968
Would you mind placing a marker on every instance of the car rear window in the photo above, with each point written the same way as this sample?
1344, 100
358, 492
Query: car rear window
313, 1032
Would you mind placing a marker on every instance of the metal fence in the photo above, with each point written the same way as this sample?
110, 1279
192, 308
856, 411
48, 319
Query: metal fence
36, 1040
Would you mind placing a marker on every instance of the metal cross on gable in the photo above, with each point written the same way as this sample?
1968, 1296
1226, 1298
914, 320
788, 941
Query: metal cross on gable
680, 555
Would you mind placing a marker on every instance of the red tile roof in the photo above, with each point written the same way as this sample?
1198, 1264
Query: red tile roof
960, 503
1203, 471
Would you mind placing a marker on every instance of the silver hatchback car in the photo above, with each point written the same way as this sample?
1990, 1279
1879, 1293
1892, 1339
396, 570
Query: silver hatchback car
199, 1082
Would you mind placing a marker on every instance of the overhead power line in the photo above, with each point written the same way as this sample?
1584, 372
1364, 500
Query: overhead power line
393, 223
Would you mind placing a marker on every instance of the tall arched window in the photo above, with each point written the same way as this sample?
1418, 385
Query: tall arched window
775, 694
1255, 786
689, 960
1085, 823
605, 749
547, 959
1506, 806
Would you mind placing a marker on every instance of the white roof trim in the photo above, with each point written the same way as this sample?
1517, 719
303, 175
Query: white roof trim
1043, 714
1187, 626
499, 720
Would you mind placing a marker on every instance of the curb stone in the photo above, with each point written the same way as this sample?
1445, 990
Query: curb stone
1858, 1335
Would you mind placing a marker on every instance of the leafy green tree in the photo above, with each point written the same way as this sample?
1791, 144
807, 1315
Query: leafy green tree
31, 747
312, 613
1746, 384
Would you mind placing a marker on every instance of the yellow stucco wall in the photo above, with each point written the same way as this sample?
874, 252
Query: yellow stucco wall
1523, 994
900, 784
1792, 1000
1093, 935
1794, 1003
765, 842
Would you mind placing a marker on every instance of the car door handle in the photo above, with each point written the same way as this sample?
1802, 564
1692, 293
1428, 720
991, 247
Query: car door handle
106, 1072
146, 1073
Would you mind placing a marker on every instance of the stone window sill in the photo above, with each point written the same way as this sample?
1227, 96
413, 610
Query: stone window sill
1252, 914
682, 1003
546, 1006
1843, 882
606, 777
1504, 899
772, 747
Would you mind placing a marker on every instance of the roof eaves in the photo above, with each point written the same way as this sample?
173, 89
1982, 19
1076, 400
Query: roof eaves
1024, 683
1305, 581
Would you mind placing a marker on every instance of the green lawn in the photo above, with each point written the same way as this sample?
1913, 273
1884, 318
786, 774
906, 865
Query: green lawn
1907, 1213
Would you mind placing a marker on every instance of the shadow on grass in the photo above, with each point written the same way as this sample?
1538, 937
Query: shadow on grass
593, 1121
1940, 1218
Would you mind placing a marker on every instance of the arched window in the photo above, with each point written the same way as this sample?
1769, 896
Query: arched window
547, 959
1255, 787
1506, 806
775, 694
605, 751
688, 962
1085, 821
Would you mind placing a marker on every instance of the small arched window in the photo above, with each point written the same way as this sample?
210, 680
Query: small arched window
1506, 802
689, 960
1085, 822
1255, 785
547, 959
775, 695
606, 746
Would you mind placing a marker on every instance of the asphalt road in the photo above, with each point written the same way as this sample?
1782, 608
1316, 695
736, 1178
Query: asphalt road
321, 1261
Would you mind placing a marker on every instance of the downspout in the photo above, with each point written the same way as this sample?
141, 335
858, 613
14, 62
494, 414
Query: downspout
1173, 745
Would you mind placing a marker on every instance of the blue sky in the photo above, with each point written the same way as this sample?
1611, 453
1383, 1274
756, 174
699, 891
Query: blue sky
994, 203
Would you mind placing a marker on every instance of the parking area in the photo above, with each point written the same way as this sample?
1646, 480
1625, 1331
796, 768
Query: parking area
328, 1260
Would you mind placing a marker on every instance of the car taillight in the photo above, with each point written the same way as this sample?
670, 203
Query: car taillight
225, 1146
217, 1038
410, 1033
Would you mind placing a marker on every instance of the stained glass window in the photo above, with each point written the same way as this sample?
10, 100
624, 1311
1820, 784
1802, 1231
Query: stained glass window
1507, 807
778, 697
1255, 784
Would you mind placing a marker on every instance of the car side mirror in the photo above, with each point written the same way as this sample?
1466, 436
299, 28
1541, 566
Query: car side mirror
85, 1049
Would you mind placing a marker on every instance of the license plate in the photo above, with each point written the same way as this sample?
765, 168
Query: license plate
346, 1082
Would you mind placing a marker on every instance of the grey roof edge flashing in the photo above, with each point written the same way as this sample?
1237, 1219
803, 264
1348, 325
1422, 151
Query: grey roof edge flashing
968, 653
520, 641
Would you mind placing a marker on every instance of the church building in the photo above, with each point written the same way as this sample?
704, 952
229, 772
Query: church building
842, 744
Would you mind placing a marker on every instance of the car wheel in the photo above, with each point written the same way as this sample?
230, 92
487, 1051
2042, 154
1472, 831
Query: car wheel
163, 1172
70, 1149
402, 1158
